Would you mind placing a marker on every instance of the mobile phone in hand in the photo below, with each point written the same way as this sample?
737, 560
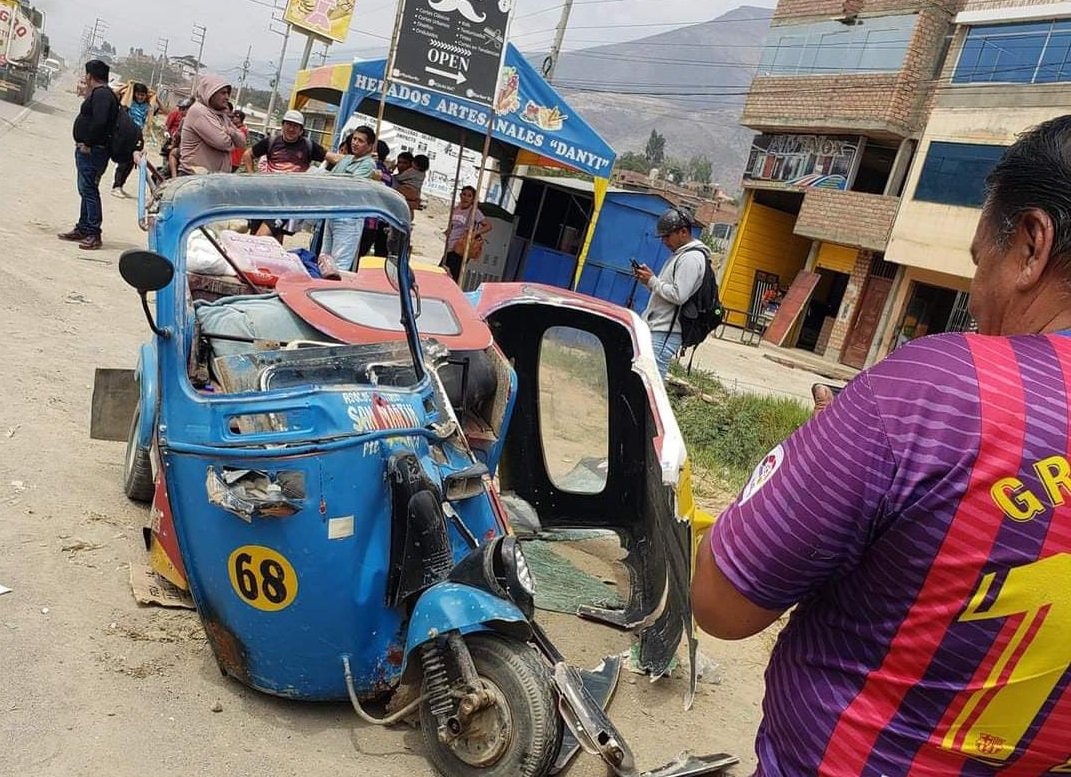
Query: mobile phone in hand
635, 265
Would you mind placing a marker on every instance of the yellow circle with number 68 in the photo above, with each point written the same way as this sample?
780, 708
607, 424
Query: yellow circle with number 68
262, 577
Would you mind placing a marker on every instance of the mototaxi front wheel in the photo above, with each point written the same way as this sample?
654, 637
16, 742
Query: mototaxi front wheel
137, 470
519, 735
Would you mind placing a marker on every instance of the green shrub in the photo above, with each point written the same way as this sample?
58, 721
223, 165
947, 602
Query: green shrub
729, 436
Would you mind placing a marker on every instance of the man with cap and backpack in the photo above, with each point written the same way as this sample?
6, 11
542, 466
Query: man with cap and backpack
93, 129
684, 306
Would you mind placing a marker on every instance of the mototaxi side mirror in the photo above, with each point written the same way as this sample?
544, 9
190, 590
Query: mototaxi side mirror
146, 271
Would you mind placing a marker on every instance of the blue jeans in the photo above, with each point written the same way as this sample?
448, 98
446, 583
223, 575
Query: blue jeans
666, 345
90, 169
342, 238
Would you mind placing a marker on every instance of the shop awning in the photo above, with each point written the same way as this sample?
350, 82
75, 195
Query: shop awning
533, 125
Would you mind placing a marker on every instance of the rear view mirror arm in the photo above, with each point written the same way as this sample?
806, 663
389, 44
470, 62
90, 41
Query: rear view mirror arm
161, 333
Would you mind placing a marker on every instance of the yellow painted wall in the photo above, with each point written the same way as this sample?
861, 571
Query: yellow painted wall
764, 241
834, 256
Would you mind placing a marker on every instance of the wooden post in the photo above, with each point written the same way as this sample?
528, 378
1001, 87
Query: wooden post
453, 195
471, 226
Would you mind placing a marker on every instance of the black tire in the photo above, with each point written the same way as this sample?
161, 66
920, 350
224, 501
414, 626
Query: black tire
521, 679
137, 472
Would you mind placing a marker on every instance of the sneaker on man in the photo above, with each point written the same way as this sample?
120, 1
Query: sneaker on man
75, 235
91, 243
119, 193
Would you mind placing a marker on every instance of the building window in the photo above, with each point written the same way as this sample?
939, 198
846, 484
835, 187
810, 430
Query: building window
1028, 53
955, 173
878, 45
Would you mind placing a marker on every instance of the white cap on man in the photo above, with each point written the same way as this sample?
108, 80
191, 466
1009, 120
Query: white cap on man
294, 117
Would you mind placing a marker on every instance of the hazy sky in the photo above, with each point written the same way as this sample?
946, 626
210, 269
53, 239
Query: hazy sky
235, 24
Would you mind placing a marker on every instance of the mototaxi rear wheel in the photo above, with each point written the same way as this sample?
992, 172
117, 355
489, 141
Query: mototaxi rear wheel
518, 736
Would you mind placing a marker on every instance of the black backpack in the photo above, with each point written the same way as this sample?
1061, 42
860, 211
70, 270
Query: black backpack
124, 137
702, 313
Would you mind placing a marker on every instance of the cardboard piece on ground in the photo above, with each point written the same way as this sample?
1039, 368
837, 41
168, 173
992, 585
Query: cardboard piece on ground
150, 588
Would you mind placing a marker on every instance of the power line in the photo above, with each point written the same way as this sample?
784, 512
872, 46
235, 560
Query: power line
738, 90
673, 25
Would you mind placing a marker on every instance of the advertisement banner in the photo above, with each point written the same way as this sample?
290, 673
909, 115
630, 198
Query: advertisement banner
328, 19
527, 113
804, 161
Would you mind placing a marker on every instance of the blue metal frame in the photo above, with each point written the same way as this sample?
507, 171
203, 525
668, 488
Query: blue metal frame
337, 544
147, 376
453, 606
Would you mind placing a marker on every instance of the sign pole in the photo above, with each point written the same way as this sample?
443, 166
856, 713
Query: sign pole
390, 65
457, 182
309, 38
471, 227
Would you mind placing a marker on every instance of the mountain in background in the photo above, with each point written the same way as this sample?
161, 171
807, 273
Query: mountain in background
689, 84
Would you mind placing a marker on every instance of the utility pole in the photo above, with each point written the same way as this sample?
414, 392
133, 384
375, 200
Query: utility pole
198, 37
285, 32
99, 28
551, 62
245, 74
161, 48
323, 53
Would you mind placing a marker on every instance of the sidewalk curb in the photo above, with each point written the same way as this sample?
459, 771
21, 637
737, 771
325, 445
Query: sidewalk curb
17, 120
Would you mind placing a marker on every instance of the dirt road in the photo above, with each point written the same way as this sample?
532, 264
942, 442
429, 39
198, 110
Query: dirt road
91, 683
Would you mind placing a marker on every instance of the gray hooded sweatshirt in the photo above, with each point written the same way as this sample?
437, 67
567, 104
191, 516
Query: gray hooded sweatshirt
208, 136
671, 288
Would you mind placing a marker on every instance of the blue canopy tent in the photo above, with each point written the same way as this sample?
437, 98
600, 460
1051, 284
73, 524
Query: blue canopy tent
533, 125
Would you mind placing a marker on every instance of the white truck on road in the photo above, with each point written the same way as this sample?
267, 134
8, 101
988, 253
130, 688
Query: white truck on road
23, 47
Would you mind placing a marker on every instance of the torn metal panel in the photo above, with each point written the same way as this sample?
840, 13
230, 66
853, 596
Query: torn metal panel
229, 651
253, 494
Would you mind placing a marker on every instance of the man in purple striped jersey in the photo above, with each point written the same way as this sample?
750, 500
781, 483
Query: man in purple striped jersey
921, 528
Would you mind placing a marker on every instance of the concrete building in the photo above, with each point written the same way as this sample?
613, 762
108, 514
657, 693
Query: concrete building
839, 102
1008, 68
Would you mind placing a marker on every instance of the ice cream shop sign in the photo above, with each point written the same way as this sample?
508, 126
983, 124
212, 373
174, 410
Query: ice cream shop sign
805, 161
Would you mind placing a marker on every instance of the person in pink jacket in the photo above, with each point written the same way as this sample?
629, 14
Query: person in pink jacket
209, 134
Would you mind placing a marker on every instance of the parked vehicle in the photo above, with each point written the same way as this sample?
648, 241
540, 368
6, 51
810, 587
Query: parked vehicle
326, 460
23, 47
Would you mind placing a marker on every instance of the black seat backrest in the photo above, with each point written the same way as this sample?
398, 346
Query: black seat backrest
469, 379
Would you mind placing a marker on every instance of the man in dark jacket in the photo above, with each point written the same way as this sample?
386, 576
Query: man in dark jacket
92, 131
